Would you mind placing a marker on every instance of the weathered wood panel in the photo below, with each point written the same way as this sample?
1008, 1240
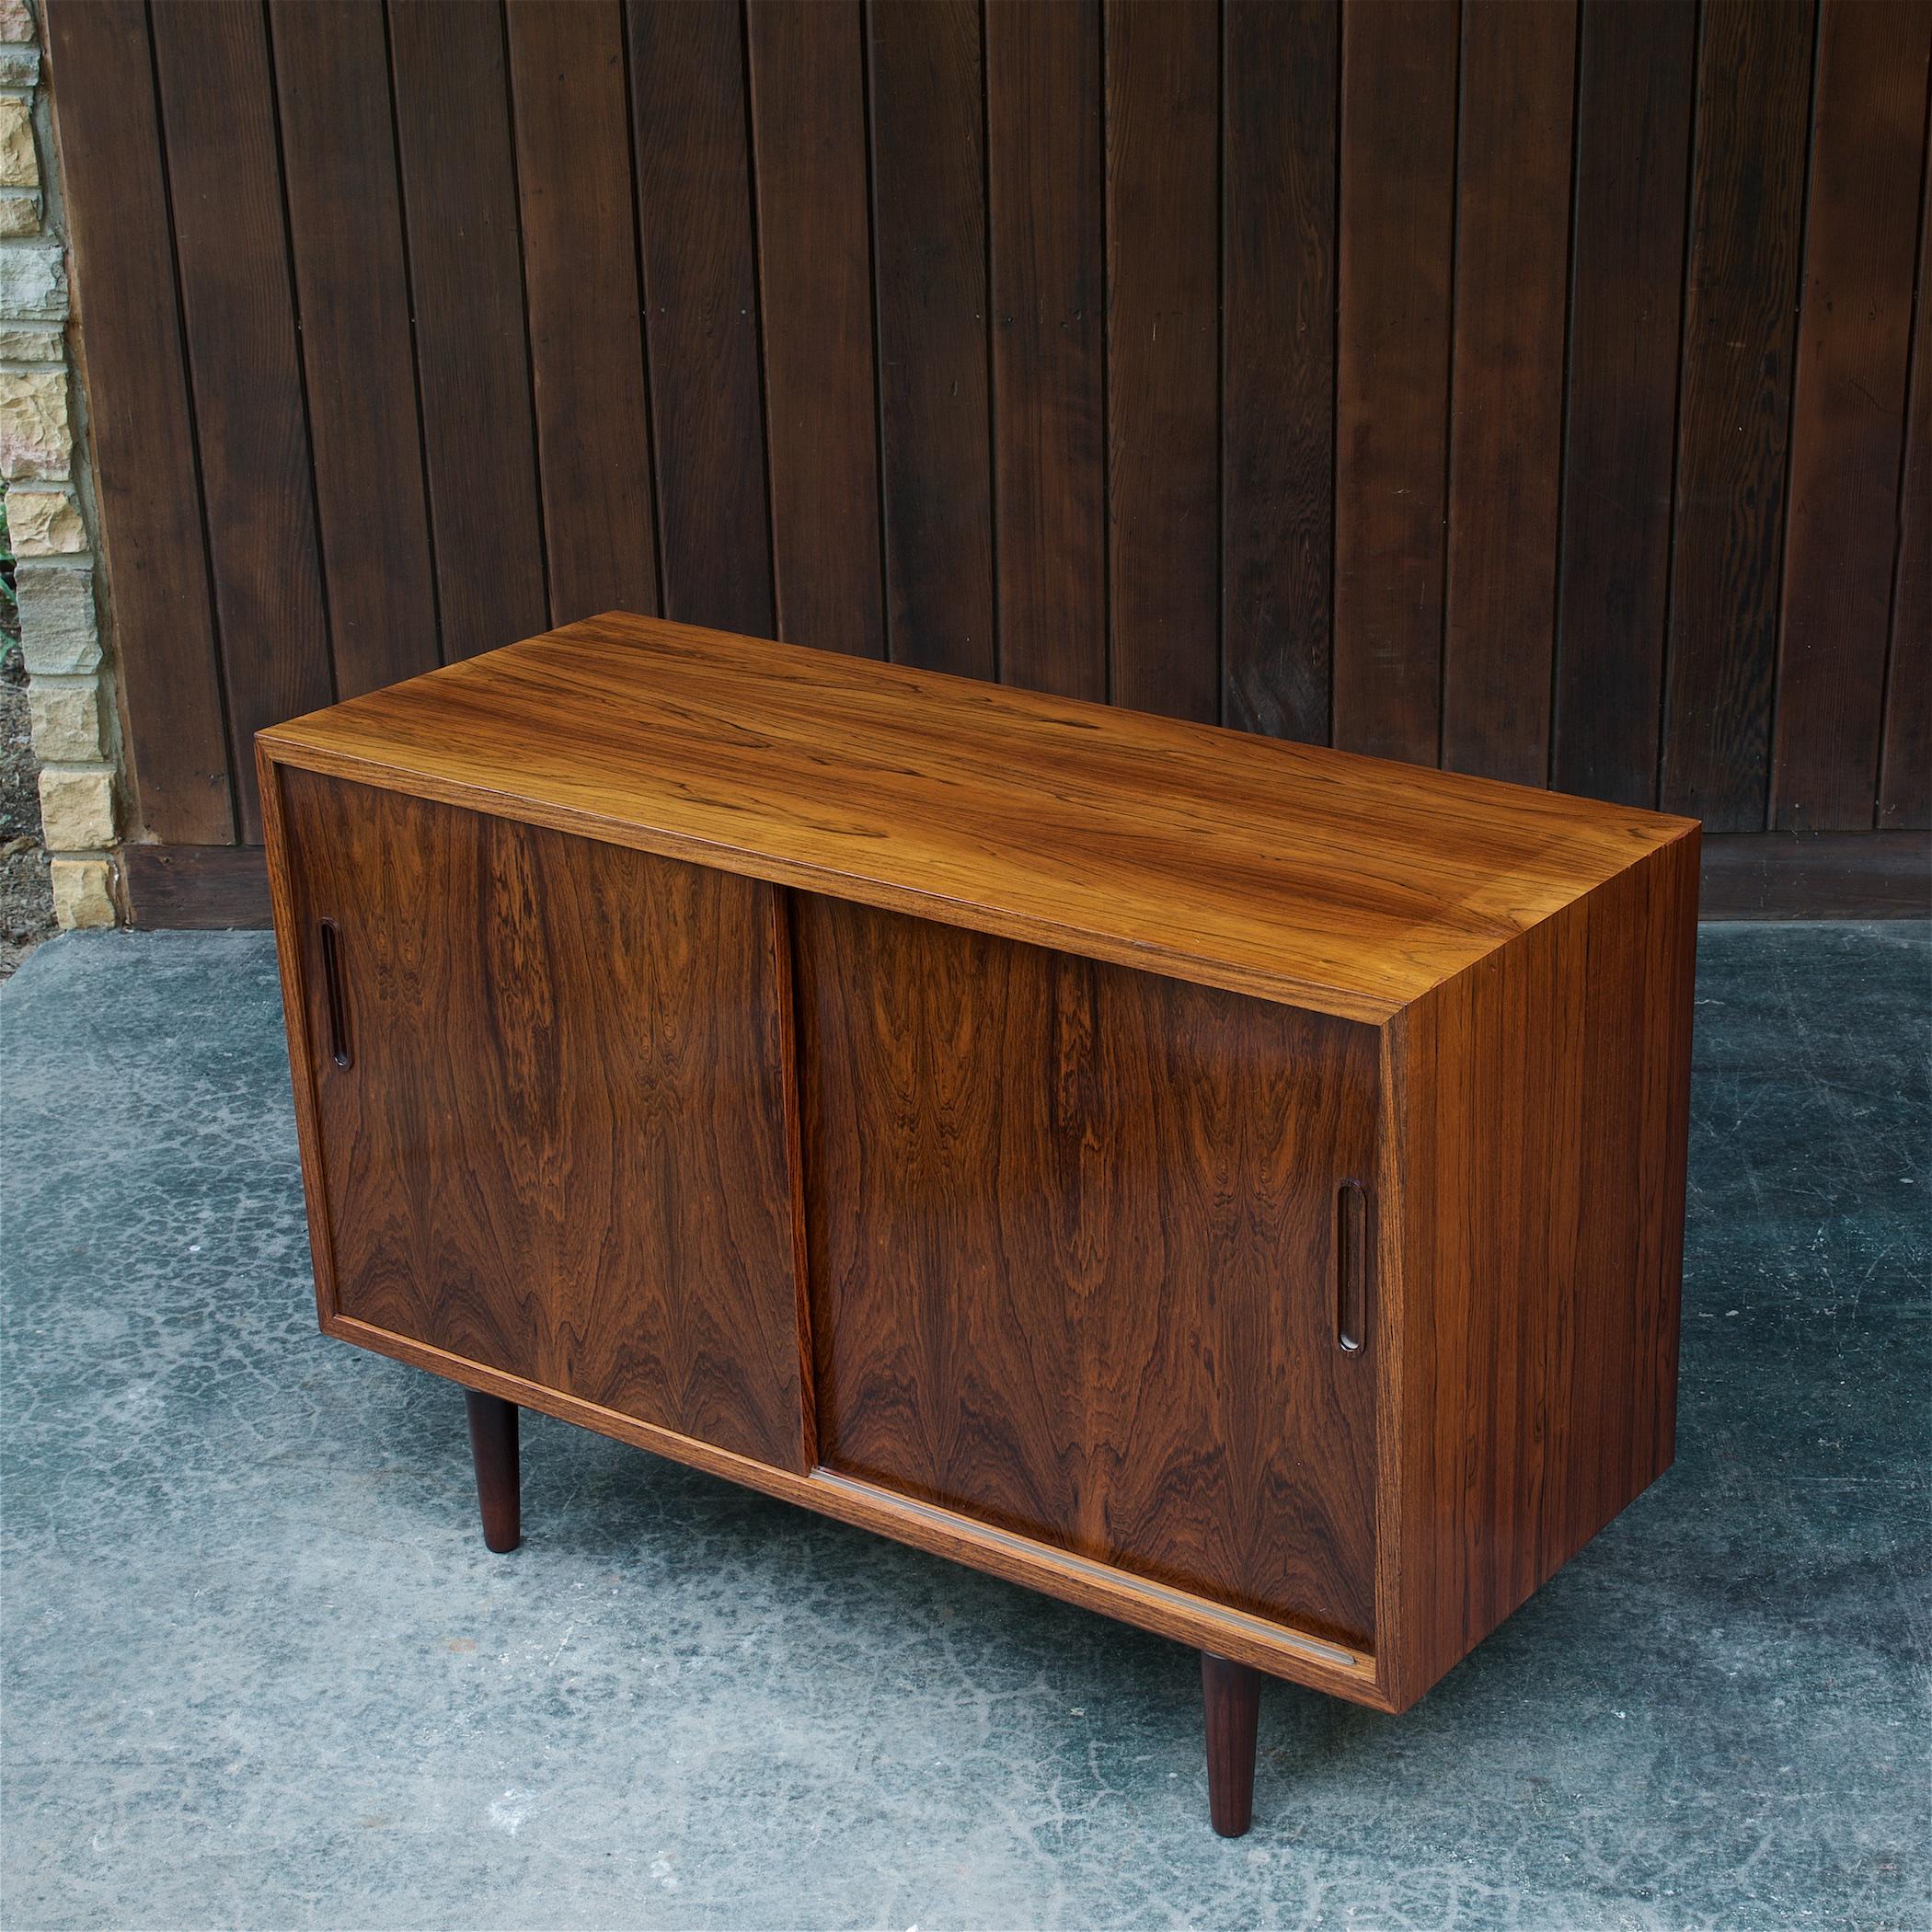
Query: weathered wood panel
1533, 390
1398, 94
1626, 309
238, 303
1905, 779
690, 137
1163, 83
1045, 204
1278, 365
1848, 419
1513, 204
1734, 407
472, 346
929, 232
358, 354
141, 419
808, 141
586, 312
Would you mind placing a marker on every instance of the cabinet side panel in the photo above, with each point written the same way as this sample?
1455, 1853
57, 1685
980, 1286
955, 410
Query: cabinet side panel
1072, 1233
1540, 1103
558, 1147
291, 962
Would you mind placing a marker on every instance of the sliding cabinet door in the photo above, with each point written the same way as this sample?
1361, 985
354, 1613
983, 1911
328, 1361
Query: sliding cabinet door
1074, 1257
551, 1101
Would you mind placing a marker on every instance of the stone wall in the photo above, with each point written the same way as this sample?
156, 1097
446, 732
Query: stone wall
48, 505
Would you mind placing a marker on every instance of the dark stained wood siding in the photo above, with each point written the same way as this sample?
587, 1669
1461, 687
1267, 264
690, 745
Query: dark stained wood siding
694, 169
245, 372
358, 358
820, 385
452, 99
586, 312
1512, 203
1397, 252
1633, 120
1540, 392
1848, 423
1734, 406
1278, 161
929, 243
141, 422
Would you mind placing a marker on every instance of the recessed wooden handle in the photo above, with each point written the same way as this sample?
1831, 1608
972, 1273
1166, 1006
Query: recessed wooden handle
338, 1050
1351, 1265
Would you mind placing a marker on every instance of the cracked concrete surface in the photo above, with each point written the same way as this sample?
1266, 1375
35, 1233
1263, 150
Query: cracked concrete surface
260, 1671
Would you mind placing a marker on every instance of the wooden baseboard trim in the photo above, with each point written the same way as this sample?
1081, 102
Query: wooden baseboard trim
1747, 875
1817, 875
196, 888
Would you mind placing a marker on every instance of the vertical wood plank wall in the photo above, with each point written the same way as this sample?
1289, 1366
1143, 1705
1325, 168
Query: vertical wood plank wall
1540, 391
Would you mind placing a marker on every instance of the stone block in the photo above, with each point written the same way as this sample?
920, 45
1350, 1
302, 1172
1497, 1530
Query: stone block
36, 437
44, 522
19, 66
59, 637
15, 21
64, 717
81, 894
19, 164
33, 279
19, 212
32, 345
77, 809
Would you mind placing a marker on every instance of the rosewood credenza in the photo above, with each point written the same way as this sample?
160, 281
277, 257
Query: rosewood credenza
1235, 1185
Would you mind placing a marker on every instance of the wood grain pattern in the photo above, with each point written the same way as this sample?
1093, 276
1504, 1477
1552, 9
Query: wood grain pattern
1884, 874
1533, 1177
225, 190
808, 145
1342, 884
1849, 412
1036, 1257
1747, 205
1906, 775
559, 1148
930, 241
358, 357
1506, 423
567, 72
1632, 164
466, 267
1162, 113
932, 344
1045, 212
195, 887
1278, 363
1072, 1257
690, 136
141, 422
1399, 88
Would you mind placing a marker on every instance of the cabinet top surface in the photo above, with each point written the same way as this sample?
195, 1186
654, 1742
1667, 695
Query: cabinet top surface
1344, 884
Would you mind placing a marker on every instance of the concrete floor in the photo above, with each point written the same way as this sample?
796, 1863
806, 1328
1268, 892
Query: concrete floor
259, 1671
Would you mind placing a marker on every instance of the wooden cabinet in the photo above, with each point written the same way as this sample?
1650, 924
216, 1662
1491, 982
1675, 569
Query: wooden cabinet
1235, 1185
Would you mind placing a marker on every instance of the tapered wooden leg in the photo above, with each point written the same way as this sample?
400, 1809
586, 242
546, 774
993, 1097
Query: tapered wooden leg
1232, 1693
492, 1444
